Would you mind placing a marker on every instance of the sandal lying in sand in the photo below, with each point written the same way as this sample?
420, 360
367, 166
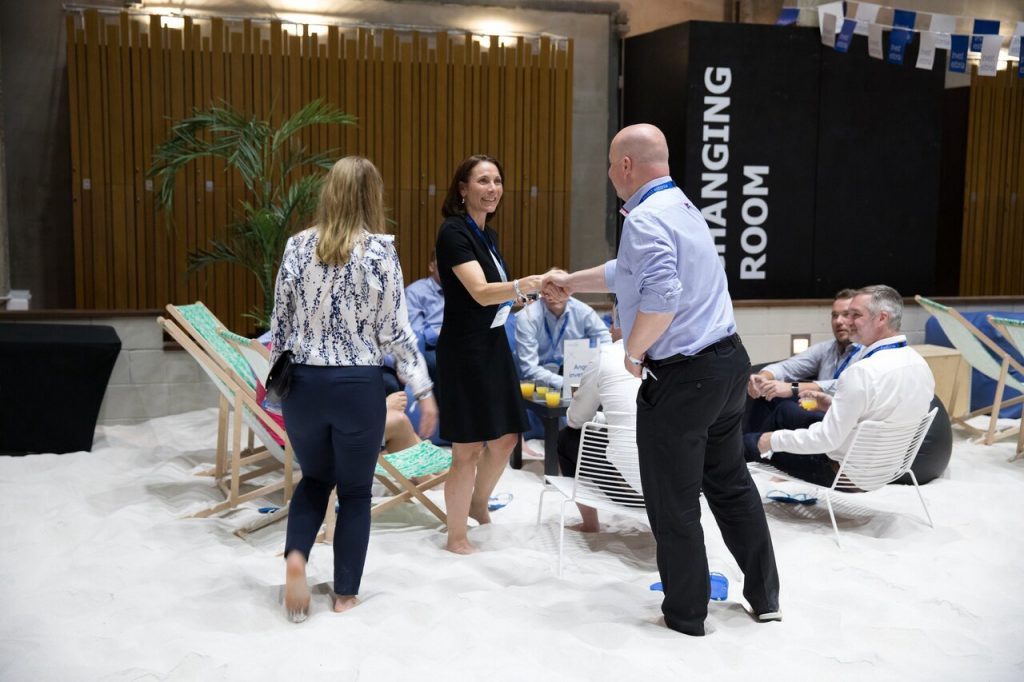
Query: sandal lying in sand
786, 498
498, 501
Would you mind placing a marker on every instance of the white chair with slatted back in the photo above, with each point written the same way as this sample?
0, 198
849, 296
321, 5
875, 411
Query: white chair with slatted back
879, 454
607, 462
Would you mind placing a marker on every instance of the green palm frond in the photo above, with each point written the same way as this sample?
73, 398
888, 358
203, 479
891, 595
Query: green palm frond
275, 168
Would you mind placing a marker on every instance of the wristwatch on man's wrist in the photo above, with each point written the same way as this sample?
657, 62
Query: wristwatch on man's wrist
796, 388
635, 361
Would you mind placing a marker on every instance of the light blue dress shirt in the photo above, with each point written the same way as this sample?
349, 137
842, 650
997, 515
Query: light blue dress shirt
538, 354
667, 263
425, 301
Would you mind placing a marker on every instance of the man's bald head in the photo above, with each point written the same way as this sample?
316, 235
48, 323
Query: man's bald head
637, 155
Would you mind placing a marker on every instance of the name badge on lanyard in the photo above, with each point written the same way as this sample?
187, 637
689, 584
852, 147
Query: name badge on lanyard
503, 310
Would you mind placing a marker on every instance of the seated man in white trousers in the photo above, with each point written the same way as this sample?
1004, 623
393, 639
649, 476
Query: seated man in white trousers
605, 385
888, 381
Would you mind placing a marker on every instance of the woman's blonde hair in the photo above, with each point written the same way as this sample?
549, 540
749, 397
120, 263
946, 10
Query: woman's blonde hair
352, 200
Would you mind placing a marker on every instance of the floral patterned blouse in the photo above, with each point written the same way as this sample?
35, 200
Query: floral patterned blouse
348, 315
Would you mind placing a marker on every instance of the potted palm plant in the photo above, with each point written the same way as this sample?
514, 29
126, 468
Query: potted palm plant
275, 167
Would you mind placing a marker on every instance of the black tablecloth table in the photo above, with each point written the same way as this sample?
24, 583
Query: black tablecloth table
550, 416
52, 381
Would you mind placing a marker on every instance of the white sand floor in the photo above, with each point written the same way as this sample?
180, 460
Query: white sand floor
103, 578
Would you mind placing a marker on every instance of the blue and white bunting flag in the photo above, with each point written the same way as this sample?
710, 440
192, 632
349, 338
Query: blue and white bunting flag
989, 63
902, 18
926, 51
982, 27
943, 26
1016, 40
866, 14
958, 53
875, 41
846, 35
898, 40
788, 16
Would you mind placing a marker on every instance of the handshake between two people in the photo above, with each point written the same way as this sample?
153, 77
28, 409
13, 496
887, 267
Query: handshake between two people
553, 285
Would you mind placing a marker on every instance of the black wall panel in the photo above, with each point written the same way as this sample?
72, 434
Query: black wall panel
853, 149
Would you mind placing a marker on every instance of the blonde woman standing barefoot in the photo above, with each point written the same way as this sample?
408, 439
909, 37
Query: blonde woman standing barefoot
481, 409
339, 307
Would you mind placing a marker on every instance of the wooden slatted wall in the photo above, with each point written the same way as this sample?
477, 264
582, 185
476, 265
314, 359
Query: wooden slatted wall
992, 259
424, 102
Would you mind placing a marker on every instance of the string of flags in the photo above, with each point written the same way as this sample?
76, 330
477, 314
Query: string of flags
963, 38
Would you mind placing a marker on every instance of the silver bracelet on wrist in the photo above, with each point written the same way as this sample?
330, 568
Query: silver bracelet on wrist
515, 287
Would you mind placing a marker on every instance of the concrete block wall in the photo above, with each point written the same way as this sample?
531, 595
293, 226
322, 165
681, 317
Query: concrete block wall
149, 381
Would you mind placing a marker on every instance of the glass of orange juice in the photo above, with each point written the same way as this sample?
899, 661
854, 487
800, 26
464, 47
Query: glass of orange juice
527, 388
542, 390
809, 403
553, 398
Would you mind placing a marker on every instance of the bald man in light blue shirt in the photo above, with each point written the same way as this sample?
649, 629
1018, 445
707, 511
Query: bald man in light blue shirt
677, 319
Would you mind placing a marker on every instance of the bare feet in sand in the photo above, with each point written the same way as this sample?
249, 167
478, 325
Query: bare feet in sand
296, 590
344, 602
584, 527
462, 547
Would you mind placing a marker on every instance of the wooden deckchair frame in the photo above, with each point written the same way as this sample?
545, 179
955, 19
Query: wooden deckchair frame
1002, 377
1014, 331
243, 401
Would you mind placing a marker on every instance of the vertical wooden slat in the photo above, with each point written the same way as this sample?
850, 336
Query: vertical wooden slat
94, 175
114, 124
75, 116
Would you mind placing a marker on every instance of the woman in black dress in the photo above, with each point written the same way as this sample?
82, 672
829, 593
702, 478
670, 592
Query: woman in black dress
481, 409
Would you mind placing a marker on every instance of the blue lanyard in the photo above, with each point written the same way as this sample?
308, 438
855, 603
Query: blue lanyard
654, 190
898, 344
499, 261
853, 351
553, 341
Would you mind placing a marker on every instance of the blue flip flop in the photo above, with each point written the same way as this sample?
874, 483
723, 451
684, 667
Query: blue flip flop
786, 498
498, 501
719, 586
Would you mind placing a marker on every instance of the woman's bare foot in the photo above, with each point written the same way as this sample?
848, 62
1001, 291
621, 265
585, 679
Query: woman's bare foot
344, 602
462, 547
296, 589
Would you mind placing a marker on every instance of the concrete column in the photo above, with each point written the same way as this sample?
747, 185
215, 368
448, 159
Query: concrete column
5, 252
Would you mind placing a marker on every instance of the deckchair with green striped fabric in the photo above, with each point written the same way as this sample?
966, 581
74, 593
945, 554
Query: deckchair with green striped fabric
196, 329
395, 471
1014, 331
982, 354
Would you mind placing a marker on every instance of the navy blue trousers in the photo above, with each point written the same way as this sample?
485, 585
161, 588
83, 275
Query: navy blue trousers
335, 420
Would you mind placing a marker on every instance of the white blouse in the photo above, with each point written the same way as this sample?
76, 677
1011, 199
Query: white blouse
349, 315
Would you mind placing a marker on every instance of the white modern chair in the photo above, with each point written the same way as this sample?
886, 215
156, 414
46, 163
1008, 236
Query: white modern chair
879, 454
607, 461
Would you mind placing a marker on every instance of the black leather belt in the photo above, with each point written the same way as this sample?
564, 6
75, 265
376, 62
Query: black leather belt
728, 342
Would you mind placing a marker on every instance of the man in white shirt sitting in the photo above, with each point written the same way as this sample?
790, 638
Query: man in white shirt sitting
887, 382
774, 389
605, 385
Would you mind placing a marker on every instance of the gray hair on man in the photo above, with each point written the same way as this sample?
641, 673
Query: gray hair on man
884, 298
